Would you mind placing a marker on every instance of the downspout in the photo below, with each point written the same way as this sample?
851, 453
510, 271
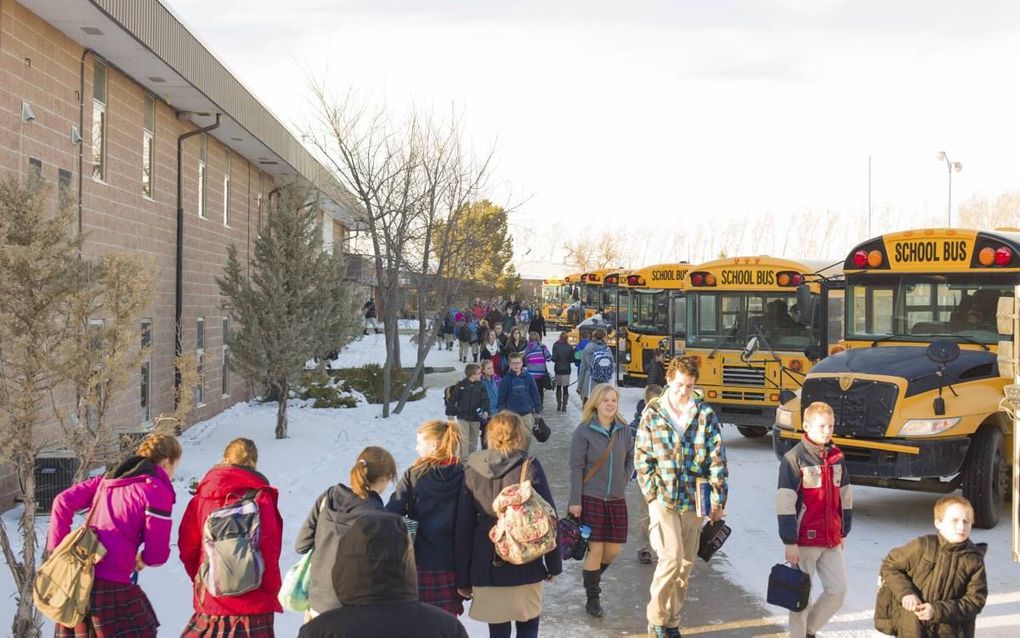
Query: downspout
81, 132
179, 274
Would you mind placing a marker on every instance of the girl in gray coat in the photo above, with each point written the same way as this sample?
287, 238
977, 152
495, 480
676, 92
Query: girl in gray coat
601, 463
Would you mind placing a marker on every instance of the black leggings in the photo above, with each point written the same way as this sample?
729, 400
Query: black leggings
525, 629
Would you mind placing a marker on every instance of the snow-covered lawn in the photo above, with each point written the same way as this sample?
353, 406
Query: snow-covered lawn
323, 444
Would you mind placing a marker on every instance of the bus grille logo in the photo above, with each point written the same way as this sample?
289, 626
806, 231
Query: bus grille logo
845, 382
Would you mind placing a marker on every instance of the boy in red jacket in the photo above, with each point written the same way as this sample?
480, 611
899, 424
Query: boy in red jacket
814, 506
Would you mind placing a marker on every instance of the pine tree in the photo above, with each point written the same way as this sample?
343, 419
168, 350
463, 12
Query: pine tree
296, 305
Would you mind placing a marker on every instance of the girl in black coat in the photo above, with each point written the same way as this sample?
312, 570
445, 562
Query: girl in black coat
428, 493
501, 592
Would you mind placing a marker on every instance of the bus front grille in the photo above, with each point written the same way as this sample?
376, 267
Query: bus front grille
742, 375
864, 409
742, 396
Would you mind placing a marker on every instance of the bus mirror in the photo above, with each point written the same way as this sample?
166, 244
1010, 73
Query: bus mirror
785, 396
805, 305
750, 349
1005, 315
943, 351
813, 353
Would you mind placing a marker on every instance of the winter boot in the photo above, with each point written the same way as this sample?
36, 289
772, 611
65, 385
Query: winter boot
592, 590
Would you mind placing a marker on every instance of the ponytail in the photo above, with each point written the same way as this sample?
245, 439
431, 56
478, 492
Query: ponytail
449, 441
158, 447
372, 464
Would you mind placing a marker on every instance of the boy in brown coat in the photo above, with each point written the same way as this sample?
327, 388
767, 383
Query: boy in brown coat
937, 582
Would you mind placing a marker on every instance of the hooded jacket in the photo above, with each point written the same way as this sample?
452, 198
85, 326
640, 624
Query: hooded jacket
814, 501
949, 576
429, 496
669, 463
324, 532
133, 504
519, 393
375, 581
488, 472
587, 445
223, 484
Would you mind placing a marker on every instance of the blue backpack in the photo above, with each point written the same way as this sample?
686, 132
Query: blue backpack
603, 367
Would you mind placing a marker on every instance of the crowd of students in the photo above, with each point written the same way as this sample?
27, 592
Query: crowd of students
368, 577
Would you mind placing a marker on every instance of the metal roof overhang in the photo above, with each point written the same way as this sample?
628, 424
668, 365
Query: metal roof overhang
144, 40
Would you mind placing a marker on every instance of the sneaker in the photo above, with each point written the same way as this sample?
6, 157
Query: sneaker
645, 557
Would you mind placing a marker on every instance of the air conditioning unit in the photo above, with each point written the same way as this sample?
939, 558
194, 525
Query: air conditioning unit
52, 476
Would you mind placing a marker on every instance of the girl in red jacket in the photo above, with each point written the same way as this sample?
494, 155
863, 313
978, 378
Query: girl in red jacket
248, 615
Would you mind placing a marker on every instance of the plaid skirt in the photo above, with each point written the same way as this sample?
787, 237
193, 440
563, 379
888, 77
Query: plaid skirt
116, 610
248, 626
439, 589
607, 519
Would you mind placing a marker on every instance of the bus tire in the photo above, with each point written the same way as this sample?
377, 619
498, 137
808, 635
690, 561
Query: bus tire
752, 431
984, 476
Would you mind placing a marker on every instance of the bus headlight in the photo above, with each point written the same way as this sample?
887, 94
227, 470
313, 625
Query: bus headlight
927, 427
784, 418
626, 356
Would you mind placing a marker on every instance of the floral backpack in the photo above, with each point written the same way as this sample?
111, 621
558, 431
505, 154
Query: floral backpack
525, 527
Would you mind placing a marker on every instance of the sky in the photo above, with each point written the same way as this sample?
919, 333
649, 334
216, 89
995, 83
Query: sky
641, 116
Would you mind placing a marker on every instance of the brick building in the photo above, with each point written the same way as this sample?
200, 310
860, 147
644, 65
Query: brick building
109, 98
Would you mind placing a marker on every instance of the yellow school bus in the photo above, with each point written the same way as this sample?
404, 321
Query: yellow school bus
605, 297
555, 299
586, 291
658, 310
917, 392
752, 337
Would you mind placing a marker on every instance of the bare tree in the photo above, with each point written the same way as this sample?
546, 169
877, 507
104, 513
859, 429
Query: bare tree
984, 213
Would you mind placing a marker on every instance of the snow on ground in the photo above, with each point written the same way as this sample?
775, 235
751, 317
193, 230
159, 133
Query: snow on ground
324, 443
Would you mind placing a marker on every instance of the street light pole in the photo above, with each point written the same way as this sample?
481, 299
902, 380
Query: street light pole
950, 167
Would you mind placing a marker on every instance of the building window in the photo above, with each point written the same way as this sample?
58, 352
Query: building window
64, 180
146, 376
203, 149
148, 135
35, 166
200, 357
225, 362
99, 81
226, 190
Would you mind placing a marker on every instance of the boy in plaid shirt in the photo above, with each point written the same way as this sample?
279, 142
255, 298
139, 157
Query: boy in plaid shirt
678, 442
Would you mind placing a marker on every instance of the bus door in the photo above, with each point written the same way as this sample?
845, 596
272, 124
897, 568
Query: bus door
676, 319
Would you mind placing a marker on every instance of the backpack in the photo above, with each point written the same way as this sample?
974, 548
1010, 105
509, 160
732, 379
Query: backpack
525, 528
451, 398
602, 364
232, 561
464, 334
63, 583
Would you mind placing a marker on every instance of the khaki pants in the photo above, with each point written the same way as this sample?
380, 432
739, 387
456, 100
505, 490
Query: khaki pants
464, 349
469, 430
529, 422
674, 537
830, 564
645, 523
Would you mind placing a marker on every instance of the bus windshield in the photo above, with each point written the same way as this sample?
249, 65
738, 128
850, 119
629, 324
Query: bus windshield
648, 312
921, 307
555, 293
729, 320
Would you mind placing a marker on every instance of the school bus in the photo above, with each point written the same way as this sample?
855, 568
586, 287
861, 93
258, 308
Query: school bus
917, 391
753, 338
573, 313
586, 290
555, 299
606, 297
658, 310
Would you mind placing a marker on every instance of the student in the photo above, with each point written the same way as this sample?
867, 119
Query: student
937, 581
657, 368
249, 614
645, 555
678, 441
474, 336
501, 592
815, 516
331, 516
516, 342
492, 350
472, 405
133, 503
427, 493
463, 338
601, 462
490, 381
562, 357
519, 394
377, 587
535, 357
585, 380
584, 335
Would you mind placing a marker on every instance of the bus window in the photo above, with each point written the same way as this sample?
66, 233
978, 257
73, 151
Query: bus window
648, 312
679, 326
731, 319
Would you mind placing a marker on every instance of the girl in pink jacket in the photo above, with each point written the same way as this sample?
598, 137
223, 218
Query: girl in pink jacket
132, 502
